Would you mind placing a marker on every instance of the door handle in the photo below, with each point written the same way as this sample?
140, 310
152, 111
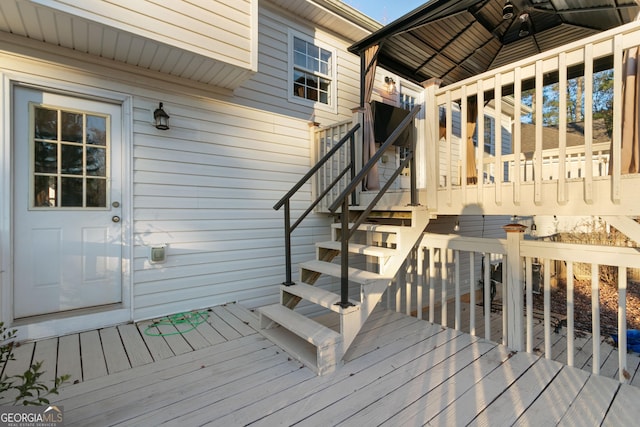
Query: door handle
115, 218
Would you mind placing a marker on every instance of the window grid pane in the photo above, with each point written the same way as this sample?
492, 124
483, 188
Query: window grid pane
69, 161
310, 60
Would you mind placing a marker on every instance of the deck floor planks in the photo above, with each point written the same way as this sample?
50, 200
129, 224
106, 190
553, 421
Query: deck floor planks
23, 354
157, 346
105, 388
406, 379
211, 381
248, 317
428, 403
358, 371
121, 398
401, 397
624, 410
483, 393
134, 345
69, 361
237, 394
222, 327
508, 407
114, 352
46, 351
552, 404
241, 327
91, 352
428, 352
592, 403
209, 333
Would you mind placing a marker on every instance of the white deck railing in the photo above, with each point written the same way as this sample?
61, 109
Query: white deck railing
323, 139
528, 188
433, 278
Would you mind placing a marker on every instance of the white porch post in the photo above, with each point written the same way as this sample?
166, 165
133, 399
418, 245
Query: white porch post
431, 142
515, 283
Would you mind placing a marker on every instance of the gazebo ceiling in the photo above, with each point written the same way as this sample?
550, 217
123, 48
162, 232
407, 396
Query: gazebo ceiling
456, 39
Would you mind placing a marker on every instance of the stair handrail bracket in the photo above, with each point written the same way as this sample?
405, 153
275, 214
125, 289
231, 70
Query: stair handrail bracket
286, 199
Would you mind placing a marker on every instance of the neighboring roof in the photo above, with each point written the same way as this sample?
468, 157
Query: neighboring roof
551, 135
456, 39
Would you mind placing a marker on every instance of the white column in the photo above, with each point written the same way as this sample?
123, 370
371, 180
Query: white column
431, 142
515, 284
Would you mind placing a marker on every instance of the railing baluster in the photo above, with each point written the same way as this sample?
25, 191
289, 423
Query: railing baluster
456, 263
622, 324
432, 281
570, 315
588, 123
529, 298
472, 294
547, 308
595, 317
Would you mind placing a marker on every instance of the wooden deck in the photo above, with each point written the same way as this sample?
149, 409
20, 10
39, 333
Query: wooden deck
400, 371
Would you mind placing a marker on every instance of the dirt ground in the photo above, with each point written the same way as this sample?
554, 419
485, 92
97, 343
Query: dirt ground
582, 305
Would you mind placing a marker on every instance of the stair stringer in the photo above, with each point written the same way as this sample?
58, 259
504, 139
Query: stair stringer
372, 291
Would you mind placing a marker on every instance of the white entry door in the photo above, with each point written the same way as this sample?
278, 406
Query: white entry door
67, 236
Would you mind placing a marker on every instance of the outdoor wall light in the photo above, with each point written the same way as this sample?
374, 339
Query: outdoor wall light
456, 227
534, 229
390, 84
160, 118
507, 10
524, 25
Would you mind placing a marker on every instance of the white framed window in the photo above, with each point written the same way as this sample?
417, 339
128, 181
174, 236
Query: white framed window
312, 70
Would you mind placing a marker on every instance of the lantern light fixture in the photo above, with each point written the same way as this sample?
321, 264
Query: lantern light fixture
160, 118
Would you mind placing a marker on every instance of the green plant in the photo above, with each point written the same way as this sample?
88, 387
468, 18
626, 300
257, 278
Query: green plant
29, 386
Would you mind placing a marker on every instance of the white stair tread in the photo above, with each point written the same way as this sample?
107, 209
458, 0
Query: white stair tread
319, 296
380, 228
305, 328
369, 250
355, 275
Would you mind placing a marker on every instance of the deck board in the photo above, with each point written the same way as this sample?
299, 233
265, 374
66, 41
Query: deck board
93, 361
401, 371
134, 345
69, 361
46, 351
592, 402
114, 353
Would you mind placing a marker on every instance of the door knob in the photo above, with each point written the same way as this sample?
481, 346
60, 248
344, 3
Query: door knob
115, 218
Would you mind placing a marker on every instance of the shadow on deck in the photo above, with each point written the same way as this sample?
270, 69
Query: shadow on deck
399, 371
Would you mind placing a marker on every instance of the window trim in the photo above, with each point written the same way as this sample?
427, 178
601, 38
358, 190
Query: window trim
332, 106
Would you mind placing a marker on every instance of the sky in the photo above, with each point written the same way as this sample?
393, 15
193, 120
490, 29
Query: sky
385, 11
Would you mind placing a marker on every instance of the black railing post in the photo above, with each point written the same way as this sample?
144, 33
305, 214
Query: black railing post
352, 152
287, 243
344, 255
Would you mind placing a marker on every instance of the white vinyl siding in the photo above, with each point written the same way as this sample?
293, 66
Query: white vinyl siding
269, 89
206, 187
221, 30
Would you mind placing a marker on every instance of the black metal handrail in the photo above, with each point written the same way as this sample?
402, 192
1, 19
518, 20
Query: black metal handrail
343, 200
286, 199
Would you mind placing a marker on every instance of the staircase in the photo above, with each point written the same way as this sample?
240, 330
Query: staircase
383, 243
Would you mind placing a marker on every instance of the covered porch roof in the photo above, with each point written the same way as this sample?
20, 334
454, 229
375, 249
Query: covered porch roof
455, 39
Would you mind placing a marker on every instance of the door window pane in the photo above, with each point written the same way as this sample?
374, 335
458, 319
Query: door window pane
96, 130
71, 192
46, 123
45, 191
69, 159
45, 157
96, 193
71, 127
